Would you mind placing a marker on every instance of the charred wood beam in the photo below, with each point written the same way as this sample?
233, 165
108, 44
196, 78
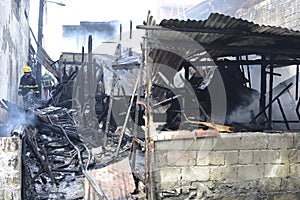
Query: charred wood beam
297, 83
263, 87
297, 109
206, 30
289, 121
128, 114
277, 63
271, 78
44, 163
77, 171
108, 117
248, 72
66, 164
64, 154
273, 73
59, 131
73, 63
283, 114
274, 99
126, 66
83, 169
166, 101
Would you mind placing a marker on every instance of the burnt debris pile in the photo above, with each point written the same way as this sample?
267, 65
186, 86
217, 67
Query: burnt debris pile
53, 154
61, 153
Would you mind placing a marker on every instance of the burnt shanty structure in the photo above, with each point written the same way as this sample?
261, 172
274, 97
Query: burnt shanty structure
214, 61
234, 47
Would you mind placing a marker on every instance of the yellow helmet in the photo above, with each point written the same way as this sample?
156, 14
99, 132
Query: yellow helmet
27, 69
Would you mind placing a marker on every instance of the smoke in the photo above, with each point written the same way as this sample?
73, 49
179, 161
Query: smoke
243, 113
17, 117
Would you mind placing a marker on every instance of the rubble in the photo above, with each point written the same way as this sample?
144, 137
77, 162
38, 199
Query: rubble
56, 158
67, 148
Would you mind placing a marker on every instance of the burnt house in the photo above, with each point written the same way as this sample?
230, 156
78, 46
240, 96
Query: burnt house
223, 63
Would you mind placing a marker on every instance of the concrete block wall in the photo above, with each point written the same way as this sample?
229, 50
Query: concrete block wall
10, 168
231, 166
272, 12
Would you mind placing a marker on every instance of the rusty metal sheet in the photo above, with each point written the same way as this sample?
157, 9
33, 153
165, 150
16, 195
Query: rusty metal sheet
115, 180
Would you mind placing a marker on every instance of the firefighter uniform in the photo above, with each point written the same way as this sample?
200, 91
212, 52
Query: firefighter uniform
47, 82
27, 84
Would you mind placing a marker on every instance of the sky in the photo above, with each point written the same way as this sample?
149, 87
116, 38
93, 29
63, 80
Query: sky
75, 11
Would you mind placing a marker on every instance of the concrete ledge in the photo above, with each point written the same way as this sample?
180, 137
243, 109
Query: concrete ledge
10, 168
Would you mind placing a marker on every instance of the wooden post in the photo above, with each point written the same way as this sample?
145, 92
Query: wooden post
150, 181
263, 80
270, 92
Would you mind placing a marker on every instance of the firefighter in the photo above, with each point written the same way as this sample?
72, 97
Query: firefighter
28, 88
47, 83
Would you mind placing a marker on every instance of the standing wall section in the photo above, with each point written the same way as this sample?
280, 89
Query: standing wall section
231, 166
14, 44
272, 12
10, 168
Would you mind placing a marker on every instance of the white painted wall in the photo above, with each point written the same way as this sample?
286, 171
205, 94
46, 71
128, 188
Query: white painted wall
14, 42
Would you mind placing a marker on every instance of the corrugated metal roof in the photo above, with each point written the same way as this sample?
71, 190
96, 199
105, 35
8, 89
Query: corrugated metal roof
224, 35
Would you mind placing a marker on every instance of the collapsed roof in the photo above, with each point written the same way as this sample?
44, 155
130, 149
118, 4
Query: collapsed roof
223, 35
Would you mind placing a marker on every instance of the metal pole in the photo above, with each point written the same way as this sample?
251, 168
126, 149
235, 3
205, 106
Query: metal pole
40, 40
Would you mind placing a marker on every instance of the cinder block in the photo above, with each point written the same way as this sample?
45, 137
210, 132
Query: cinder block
284, 156
201, 144
170, 145
181, 158
295, 170
265, 156
216, 157
161, 159
250, 172
281, 141
228, 142
211, 158
254, 141
296, 137
203, 158
190, 174
294, 156
245, 157
277, 170
170, 178
231, 157
222, 173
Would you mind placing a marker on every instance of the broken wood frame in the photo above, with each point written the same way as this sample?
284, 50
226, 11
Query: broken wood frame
281, 50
